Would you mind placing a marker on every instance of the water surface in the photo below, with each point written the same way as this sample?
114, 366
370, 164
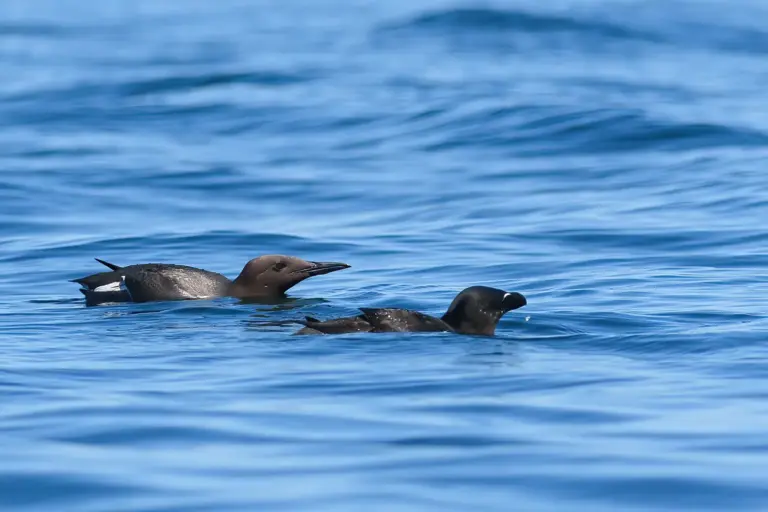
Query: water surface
606, 159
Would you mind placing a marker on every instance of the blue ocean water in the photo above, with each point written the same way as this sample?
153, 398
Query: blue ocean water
605, 158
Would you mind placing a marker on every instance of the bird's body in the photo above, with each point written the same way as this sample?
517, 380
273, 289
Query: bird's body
378, 320
476, 310
146, 282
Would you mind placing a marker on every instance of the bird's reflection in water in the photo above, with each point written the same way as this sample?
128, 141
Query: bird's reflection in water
280, 304
271, 314
265, 307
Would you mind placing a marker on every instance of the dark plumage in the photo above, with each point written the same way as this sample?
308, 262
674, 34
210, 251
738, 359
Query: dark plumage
265, 276
476, 310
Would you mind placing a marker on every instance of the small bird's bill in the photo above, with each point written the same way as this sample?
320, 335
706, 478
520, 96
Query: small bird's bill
513, 300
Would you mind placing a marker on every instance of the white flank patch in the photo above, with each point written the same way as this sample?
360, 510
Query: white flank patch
110, 287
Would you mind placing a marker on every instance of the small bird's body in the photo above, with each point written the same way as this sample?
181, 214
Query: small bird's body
377, 320
476, 310
265, 276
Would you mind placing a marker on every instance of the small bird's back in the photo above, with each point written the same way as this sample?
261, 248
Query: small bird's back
403, 320
377, 320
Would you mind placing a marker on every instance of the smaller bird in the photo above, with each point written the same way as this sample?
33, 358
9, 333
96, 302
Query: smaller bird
268, 276
475, 310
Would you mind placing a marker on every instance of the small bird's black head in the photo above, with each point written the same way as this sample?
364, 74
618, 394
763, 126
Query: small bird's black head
478, 309
274, 274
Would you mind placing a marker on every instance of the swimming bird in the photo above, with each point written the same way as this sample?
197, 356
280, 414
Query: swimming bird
265, 276
475, 310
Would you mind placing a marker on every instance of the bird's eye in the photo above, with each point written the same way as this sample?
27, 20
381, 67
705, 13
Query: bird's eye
277, 267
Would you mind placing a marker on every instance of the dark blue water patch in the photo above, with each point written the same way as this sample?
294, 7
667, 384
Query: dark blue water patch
171, 84
641, 241
528, 131
49, 31
117, 107
467, 441
110, 117
207, 180
310, 125
184, 435
677, 93
19, 491
79, 152
735, 39
665, 492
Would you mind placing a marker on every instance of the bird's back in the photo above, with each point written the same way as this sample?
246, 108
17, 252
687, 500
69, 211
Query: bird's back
163, 281
152, 281
402, 320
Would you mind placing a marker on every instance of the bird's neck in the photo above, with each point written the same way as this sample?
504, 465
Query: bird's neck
240, 290
453, 319
464, 325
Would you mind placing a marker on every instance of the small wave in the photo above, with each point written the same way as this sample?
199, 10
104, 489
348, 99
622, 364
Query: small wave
697, 25
45, 31
649, 24
151, 244
559, 130
488, 22
197, 82
732, 39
